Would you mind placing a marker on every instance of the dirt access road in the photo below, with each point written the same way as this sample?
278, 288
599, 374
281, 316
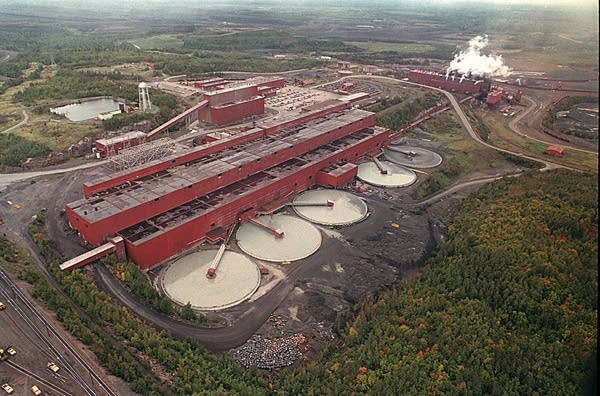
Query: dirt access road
23, 121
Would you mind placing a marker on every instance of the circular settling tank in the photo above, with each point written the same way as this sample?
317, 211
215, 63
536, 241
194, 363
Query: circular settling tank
413, 157
278, 238
394, 175
346, 209
236, 279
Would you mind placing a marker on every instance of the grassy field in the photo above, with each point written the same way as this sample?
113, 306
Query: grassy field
501, 136
378, 46
44, 128
563, 55
462, 155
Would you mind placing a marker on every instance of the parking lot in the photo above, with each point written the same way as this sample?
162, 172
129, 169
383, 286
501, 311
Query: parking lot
291, 99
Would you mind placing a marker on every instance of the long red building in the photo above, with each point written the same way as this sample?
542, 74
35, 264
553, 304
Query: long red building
167, 206
450, 82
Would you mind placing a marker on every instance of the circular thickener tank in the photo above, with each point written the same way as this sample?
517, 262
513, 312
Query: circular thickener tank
330, 207
412, 157
392, 175
236, 279
278, 238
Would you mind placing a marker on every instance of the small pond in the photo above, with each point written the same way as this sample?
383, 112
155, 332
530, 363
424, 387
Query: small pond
86, 110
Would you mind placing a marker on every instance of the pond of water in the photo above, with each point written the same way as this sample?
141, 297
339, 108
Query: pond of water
86, 110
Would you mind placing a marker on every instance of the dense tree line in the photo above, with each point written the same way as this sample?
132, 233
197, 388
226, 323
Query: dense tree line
265, 40
384, 103
191, 369
39, 38
201, 62
386, 57
139, 284
70, 84
402, 116
15, 149
507, 306
13, 69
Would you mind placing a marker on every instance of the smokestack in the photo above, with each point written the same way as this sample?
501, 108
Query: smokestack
471, 61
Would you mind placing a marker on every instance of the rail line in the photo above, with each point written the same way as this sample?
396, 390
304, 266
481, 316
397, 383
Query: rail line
557, 89
20, 296
46, 383
14, 301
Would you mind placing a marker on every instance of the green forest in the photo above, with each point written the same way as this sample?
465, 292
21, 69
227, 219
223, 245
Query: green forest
265, 40
507, 305
14, 149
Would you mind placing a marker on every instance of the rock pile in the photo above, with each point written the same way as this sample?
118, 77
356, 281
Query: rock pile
270, 353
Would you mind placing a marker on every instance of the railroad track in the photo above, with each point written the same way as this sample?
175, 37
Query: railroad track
47, 384
29, 313
16, 298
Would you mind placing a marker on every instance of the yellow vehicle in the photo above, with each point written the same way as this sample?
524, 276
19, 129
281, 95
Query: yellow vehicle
53, 367
35, 390
8, 388
2, 306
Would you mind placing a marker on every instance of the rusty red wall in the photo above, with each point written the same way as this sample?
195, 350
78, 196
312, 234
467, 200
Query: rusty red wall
152, 251
439, 81
274, 83
97, 232
116, 147
119, 178
236, 112
90, 188
338, 178
230, 95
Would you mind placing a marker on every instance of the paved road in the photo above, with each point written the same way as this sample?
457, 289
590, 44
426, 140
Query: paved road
513, 125
548, 165
9, 178
23, 122
457, 187
214, 339
465, 122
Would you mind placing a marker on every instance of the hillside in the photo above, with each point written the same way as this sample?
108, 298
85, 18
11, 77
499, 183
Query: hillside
507, 306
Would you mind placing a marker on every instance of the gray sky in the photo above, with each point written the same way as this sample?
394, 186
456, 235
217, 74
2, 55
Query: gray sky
199, 4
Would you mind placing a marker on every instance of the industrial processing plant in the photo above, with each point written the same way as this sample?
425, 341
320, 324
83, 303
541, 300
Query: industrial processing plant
156, 211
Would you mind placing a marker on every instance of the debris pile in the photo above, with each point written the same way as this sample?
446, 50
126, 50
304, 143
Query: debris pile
270, 353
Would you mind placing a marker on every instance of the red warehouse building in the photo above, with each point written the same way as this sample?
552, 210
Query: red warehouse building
238, 101
449, 83
112, 146
555, 151
194, 196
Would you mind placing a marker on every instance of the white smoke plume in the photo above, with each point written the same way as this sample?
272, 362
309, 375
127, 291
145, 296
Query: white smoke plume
472, 61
